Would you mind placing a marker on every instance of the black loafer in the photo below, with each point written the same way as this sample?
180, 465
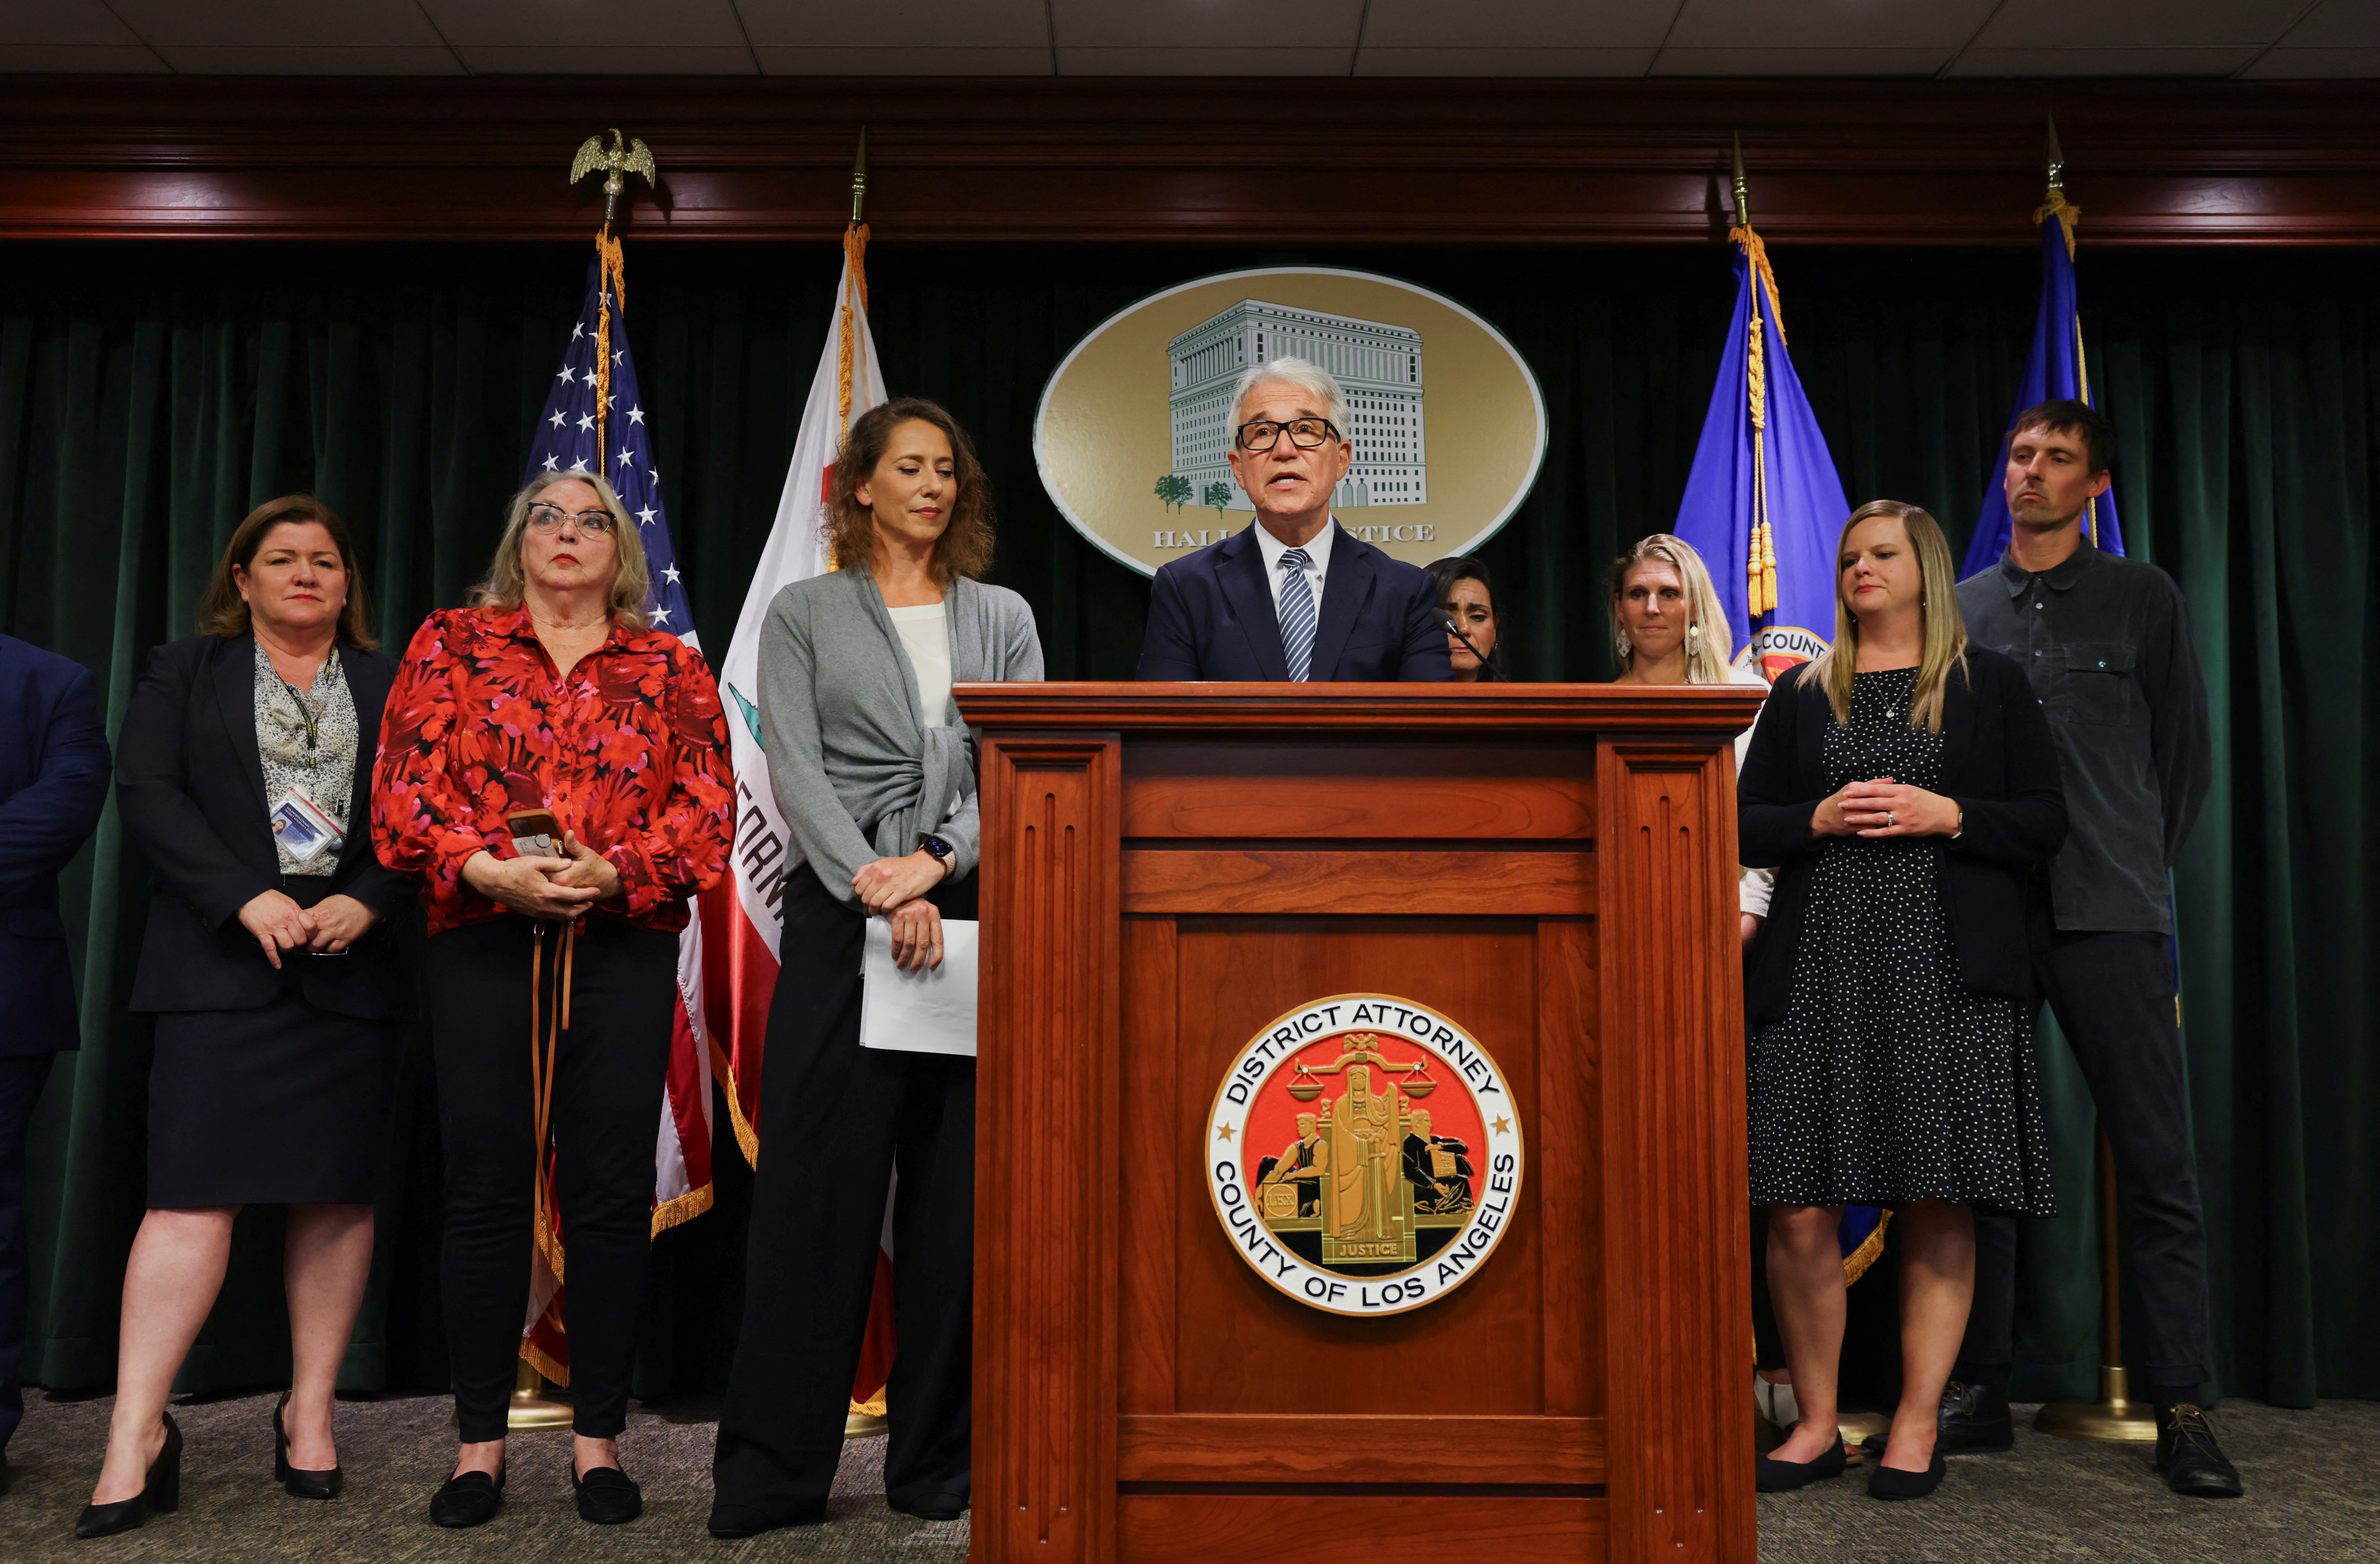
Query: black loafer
1784, 1476
469, 1498
1890, 1482
2186, 1452
734, 1520
1973, 1419
606, 1497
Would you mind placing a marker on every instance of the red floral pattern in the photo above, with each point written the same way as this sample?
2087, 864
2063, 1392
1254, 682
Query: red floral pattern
629, 750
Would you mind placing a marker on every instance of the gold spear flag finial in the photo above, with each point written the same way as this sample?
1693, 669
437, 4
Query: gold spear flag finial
625, 156
859, 180
2057, 159
1742, 192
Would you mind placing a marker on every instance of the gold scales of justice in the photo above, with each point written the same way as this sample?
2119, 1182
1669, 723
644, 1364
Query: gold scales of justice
1348, 1187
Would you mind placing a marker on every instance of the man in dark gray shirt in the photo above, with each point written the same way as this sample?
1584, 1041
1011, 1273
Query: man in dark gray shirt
2106, 641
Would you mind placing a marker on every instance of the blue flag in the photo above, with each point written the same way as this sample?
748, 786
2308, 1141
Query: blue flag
2054, 371
574, 435
1763, 504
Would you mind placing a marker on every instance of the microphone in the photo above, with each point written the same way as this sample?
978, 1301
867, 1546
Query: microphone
1455, 630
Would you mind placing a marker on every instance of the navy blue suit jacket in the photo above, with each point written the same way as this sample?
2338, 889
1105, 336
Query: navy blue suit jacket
53, 785
1211, 616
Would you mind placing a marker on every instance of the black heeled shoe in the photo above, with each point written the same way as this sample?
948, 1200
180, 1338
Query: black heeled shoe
606, 1496
1890, 1482
468, 1498
1784, 1476
161, 1496
296, 1481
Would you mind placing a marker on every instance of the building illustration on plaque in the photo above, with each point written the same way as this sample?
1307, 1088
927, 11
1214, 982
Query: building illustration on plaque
1378, 365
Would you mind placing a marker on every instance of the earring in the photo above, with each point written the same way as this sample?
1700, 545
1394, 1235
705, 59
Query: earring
1622, 649
1693, 636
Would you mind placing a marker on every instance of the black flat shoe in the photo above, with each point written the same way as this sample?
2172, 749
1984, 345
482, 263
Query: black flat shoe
163, 1494
295, 1480
606, 1497
734, 1520
470, 1498
1890, 1482
2192, 1462
940, 1507
1784, 1476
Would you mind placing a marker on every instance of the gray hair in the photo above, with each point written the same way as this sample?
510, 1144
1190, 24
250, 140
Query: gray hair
1310, 378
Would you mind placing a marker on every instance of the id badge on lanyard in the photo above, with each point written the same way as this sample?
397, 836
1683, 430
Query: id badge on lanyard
304, 828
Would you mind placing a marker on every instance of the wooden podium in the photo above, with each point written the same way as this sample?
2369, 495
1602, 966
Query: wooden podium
1168, 869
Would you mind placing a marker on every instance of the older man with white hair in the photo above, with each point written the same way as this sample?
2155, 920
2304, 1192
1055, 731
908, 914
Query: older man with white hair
1296, 596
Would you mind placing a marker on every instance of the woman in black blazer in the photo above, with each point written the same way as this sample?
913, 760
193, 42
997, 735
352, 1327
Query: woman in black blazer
1904, 785
243, 772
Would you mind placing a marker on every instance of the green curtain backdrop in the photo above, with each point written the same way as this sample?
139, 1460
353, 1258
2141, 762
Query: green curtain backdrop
149, 395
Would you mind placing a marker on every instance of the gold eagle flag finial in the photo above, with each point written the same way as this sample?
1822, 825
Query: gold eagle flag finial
626, 155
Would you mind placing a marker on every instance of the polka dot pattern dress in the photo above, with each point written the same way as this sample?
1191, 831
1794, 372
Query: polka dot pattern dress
1888, 1079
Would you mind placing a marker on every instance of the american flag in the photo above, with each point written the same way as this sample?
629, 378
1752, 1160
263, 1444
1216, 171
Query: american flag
575, 434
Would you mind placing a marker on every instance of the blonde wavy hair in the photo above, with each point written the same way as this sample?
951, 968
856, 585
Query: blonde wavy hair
1707, 638
1938, 598
632, 579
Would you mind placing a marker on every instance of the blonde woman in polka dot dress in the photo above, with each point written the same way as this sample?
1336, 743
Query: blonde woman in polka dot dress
1904, 785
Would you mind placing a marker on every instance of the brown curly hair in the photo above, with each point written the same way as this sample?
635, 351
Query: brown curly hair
965, 548
222, 612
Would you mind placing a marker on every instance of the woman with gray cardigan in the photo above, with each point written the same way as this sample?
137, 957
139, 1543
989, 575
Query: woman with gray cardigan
872, 770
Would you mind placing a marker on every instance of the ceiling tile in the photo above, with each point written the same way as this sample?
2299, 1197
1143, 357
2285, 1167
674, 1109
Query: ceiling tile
2338, 22
2283, 65
917, 24
2102, 62
1515, 24
923, 61
1799, 62
48, 58
1376, 61
587, 24
1232, 25
220, 23
63, 22
1203, 62
2132, 24
606, 60
1818, 24
308, 59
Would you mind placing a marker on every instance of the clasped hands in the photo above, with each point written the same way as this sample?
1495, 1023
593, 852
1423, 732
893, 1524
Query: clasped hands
1885, 807
555, 889
895, 890
330, 926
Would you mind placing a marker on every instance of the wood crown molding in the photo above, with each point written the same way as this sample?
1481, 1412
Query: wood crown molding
1423, 161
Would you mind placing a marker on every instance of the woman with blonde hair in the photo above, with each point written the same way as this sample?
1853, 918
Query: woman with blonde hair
554, 772
1904, 784
1669, 628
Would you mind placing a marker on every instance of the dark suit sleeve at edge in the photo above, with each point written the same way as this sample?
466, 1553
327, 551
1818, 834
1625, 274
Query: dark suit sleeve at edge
43, 826
1167, 651
1424, 657
2029, 824
167, 824
1772, 819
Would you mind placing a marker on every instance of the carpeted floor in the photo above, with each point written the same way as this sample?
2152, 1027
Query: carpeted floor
2314, 1496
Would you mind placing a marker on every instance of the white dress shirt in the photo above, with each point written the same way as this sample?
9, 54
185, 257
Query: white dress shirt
1317, 555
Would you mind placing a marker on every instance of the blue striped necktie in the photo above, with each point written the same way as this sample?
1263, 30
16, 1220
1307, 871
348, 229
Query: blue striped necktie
1296, 613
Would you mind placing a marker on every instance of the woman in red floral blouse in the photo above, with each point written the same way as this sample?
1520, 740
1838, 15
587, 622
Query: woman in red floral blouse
551, 693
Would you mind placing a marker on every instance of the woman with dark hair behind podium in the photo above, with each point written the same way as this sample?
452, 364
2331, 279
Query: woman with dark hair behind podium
1467, 596
872, 767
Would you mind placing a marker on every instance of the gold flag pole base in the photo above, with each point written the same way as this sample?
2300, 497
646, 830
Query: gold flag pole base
2115, 1417
867, 1418
536, 1404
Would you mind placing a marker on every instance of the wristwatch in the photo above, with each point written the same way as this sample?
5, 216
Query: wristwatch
937, 848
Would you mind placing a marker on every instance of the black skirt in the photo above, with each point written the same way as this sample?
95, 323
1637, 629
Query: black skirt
284, 1104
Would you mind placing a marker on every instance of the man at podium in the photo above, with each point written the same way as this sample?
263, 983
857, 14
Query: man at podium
1296, 596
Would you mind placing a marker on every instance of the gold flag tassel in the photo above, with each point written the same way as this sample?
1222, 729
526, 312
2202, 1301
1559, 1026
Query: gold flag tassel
855, 259
1760, 550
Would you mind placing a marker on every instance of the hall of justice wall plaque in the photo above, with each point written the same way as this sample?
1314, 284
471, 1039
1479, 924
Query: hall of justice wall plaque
1363, 1155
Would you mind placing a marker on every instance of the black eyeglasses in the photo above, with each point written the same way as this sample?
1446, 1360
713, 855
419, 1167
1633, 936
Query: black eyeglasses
1305, 433
545, 518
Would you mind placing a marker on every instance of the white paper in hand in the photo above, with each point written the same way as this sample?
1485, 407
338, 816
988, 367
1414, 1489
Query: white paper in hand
926, 1012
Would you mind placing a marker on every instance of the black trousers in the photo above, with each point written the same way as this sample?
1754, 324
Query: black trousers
609, 1076
22, 1077
2113, 996
837, 1122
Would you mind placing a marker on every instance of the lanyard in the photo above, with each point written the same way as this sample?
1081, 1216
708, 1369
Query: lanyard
305, 714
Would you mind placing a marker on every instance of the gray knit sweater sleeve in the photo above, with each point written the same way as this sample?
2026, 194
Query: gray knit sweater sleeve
822, 828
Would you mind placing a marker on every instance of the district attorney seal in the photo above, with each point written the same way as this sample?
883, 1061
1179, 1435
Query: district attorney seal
1363, 1155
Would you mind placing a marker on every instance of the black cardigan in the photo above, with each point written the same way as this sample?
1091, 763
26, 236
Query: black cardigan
1999, 763
189, 785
